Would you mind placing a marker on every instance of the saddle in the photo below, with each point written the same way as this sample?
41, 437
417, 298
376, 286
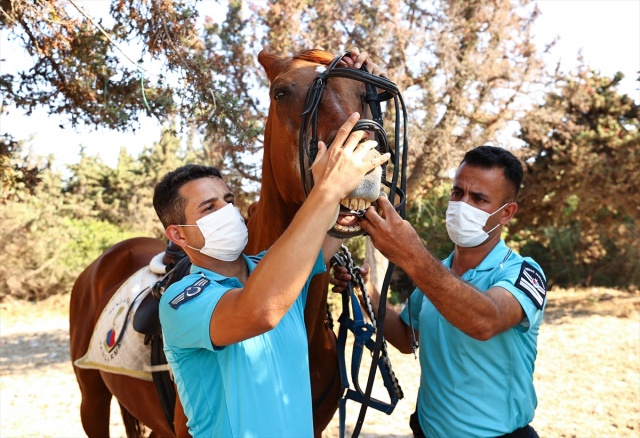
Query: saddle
176, 265
147, 322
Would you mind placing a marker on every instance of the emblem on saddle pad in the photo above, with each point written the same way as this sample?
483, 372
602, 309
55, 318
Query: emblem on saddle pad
117, 327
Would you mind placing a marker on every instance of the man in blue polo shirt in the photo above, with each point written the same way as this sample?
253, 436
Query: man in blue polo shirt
234, 328
476, 314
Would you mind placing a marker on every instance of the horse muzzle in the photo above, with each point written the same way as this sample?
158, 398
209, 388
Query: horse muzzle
353, 206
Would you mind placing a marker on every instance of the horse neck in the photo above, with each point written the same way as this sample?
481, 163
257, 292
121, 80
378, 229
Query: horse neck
268, 221
272, 214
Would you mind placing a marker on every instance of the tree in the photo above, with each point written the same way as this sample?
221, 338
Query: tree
185, 71
465, 65
60, 225
583, 174
17, 177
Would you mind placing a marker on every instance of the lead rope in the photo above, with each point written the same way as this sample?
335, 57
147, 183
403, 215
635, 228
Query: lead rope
363, 332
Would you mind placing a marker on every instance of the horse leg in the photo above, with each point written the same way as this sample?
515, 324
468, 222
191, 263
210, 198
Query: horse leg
132, 426
95, 406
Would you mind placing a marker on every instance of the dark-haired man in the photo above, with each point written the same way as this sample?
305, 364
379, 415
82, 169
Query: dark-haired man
234, 328
476, 314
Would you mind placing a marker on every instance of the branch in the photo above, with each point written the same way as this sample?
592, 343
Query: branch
100, 28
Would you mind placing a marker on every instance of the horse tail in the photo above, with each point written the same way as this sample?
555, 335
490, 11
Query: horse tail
133, 427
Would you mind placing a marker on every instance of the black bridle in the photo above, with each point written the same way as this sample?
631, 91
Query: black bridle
308, 144
308, 141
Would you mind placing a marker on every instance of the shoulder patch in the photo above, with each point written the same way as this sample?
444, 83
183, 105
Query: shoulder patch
189, 293
532, 283
255, 259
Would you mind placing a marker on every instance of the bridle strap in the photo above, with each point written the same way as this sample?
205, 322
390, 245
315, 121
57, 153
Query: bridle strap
308, 138
308, 149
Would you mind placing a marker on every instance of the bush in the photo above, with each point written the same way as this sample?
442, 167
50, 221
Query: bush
616, 265
48, 250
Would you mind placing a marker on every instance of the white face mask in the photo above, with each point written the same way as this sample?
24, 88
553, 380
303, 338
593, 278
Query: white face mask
225, 234
465, 224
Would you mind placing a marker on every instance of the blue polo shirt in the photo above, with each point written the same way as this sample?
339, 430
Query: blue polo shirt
472, 388
259, 387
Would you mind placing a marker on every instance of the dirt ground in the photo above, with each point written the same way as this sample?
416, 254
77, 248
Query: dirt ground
587, 372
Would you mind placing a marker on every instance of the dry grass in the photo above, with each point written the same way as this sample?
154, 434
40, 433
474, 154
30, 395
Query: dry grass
587, 373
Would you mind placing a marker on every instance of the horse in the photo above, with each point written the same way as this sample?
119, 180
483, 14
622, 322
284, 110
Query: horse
281, 195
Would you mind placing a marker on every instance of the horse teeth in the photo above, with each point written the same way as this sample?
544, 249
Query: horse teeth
347, 229
356, 204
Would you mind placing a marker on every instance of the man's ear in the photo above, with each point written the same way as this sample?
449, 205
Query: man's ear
173, 234
508, 211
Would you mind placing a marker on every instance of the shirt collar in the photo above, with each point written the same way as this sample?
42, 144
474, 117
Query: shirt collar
251, 265
493, 259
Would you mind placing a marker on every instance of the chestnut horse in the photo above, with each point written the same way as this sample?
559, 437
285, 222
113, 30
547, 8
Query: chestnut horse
281, 195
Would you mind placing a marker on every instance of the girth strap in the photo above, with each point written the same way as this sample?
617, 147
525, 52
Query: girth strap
162, 377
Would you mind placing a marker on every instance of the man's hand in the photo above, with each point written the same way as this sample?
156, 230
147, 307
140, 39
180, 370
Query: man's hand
357, 59
341, 277
342, 166
393, 236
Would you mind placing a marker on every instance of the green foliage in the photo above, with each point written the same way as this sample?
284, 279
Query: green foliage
57, 228
123, 195
581, 180
563, 266
85, 240
48, 251
17, 176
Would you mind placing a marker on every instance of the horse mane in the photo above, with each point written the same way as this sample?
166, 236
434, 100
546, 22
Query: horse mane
317, 56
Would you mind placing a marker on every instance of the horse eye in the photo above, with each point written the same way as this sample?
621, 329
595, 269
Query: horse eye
279, 93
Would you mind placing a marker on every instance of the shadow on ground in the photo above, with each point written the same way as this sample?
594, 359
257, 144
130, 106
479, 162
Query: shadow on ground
564, 305
27, 351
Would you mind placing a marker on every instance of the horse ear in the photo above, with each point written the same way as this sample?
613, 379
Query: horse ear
271, 63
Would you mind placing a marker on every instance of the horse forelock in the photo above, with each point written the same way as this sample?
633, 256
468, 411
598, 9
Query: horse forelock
317, 56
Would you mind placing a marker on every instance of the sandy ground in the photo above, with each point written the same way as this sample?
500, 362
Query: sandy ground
587, 373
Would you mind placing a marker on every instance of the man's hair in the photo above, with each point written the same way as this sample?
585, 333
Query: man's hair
489, 157
168, 202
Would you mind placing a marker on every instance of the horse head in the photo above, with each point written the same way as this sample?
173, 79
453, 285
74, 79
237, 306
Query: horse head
284, 174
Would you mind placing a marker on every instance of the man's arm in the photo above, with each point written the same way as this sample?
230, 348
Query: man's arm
280, 276
479, 315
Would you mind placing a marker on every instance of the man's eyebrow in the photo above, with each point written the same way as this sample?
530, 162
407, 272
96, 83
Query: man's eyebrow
228, 196
480, 195
476, 194
208, 201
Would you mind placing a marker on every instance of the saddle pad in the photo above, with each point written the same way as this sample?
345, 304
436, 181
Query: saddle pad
115, 346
